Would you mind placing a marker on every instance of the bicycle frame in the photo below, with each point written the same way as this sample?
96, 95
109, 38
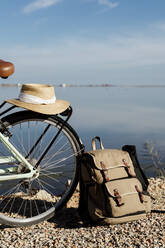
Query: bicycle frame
9, 159
18, 158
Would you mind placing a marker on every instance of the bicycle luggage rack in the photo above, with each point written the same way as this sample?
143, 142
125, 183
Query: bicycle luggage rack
7, 110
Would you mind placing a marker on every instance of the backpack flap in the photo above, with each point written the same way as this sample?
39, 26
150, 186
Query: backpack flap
110, 164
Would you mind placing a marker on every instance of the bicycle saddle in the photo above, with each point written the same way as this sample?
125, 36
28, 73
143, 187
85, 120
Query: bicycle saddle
6, 69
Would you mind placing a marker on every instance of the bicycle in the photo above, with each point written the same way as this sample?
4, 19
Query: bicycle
39, 154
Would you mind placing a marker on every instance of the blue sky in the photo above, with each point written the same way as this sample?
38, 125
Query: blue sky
84, 41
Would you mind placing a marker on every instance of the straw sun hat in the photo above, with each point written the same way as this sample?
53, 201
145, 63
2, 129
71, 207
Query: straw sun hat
39, 98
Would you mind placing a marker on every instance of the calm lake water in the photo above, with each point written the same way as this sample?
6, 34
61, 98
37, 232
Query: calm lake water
119, 115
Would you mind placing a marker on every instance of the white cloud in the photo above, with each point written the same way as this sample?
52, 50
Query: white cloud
108, 3
39, 4
160, 26
127, 57
120, 51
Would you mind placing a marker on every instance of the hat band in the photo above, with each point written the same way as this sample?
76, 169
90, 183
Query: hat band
35, 99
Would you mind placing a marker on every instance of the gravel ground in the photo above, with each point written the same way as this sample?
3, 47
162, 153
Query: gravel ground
67, 230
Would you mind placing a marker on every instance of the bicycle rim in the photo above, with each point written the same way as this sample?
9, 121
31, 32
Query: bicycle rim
30, 201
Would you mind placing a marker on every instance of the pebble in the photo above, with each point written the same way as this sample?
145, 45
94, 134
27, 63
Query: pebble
67, 230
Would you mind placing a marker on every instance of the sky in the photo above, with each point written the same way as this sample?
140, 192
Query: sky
84, 41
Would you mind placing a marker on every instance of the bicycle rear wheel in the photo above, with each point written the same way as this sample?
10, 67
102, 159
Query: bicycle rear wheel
30, 201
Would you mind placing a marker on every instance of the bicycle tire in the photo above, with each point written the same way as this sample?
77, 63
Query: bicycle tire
60, 163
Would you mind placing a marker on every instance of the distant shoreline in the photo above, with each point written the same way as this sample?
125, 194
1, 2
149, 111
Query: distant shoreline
94, 85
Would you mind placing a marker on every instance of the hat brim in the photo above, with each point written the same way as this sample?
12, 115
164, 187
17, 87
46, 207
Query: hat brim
49, 109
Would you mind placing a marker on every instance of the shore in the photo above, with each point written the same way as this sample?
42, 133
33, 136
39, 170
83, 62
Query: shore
67, 230
64, 85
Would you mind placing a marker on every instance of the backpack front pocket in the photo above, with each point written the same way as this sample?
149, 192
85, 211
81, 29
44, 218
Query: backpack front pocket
125, 198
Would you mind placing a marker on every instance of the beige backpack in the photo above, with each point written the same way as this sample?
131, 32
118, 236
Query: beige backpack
113, 188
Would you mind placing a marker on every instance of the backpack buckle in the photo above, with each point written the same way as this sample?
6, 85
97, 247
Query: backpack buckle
139, 193
127, 168
118, 198
105, 172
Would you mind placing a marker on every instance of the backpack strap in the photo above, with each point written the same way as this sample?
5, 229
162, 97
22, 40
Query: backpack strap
138, 170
